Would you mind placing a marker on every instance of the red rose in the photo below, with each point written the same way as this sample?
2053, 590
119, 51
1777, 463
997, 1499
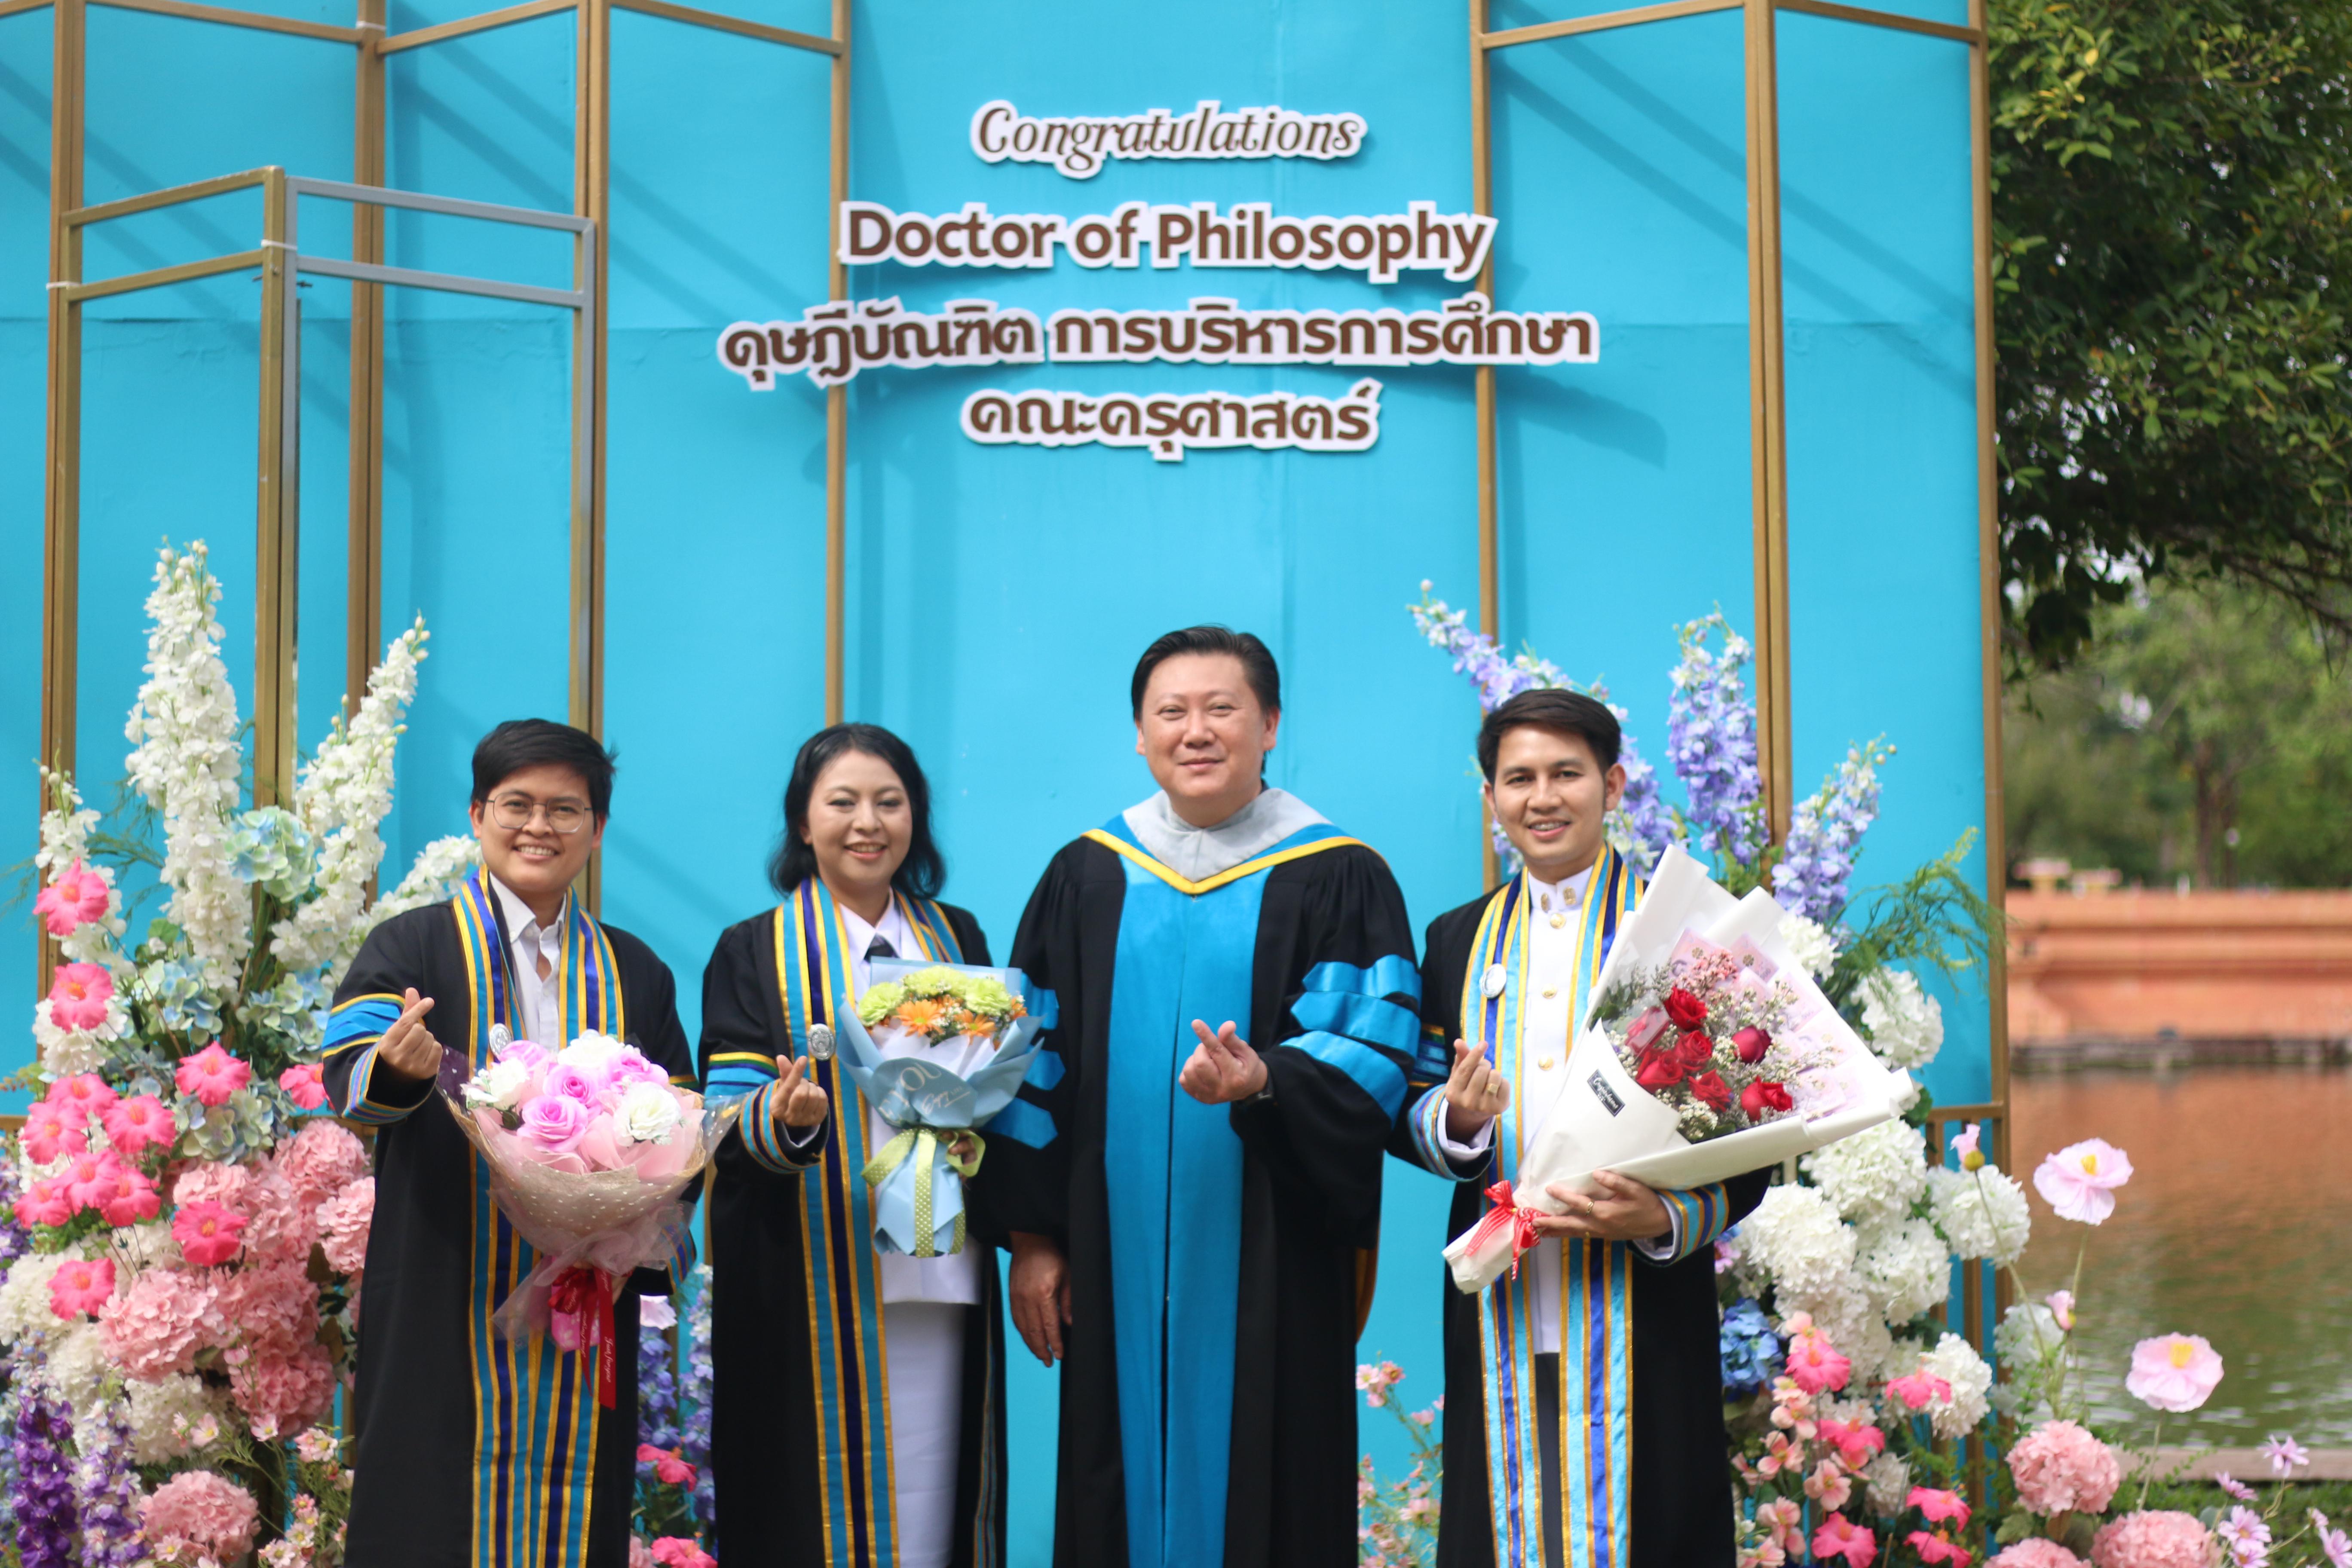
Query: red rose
1710, 1088
1695, 1049
1663, 1071
1751, 1043
1761, 1097
1685, 1010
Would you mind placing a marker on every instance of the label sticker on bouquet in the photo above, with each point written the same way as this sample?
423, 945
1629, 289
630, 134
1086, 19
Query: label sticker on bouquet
1605, 1095
1491, 983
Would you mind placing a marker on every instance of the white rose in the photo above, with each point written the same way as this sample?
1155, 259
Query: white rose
498, 1086
590, 1051
648, 1113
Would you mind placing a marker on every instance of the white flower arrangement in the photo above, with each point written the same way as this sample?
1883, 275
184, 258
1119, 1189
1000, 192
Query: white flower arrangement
1874, 1175
1981, 1213
1795, 1239
1906, 1023
165, 1415
1812, 944
1904, 1269
1956, 1362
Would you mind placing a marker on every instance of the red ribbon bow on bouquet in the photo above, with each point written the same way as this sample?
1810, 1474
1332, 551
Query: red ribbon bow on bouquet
579, 1314
1507, 1215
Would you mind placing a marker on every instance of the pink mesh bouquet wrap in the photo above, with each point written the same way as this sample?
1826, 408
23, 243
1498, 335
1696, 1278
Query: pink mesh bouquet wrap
589, 1150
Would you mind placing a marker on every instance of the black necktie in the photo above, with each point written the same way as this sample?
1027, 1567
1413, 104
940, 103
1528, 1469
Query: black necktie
880, 948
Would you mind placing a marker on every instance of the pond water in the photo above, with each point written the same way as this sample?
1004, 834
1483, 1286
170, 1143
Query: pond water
2236, 1225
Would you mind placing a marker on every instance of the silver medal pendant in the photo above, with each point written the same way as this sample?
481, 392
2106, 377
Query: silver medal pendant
1491, 983
820, 1042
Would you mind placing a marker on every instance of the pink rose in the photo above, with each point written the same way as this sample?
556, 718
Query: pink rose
212, 1075
532, 1056
72, 901
207, 1233
572, 1083
2173, 1371
2080, 1180
79, 996
632, 1066
139, 1124
305, 1085
553, 1121
1751, 1043
82, 1287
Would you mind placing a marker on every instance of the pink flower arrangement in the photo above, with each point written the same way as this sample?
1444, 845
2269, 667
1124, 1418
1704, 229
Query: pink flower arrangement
79, 995
138, 1124
2153, 1539
1814, 1362
1839, 1537
670, 1465
2080, 1180
321, 1161
203, 1510
2062, 1469
82, 1287
77, 898
212, 1075
1919, 1389
305, 1085
2173, 1371
678, 1551
207, 1233
598, 1105
343, 1223
2035, 1551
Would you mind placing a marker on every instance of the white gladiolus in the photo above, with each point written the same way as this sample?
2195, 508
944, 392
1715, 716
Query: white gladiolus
1812, 943
1981, 1213
1904, 1269
648, 1113
1906, 1023
1875, 1175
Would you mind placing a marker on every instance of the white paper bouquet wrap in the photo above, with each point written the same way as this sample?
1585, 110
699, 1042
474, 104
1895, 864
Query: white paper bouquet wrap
1605, 1119
947, 1048
590, 1150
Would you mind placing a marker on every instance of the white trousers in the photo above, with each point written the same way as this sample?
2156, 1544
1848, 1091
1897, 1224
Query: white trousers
924, 1360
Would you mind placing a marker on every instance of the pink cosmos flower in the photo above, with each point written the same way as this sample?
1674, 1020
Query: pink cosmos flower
1838, 1537
1816, 1364
78, 995
1935, 1507
45, 1202
553, 1121
205, 1509
1829, 1485
678, 1551
2035, 1551
2334, 1543
2080, 1180
86, 1092
2286, 1455
212, 1075
2062, 1469
2153, 1539
2232, 1486
1376, 1378
82, 1287
2062, 1307
132, 1198
1965, 1146
2247, 1534
138, 1124
2173, 1371
51, 1130
305, 1084
72, 901
207, 1233
1919, 1389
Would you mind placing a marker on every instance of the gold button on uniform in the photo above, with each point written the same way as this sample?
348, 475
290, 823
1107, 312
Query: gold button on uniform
1543, 1064
1558, 922
1551, 990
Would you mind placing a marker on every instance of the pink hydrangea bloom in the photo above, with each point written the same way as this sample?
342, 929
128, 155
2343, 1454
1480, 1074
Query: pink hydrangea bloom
77, 898
2154, 1539
2061, 1468
138, 1124
2035, 1551
207, 1233
205, 1509
78, 995
280, 1223
284, 1388
212, 1075
45, 1202
273, 1304
1815, 1363
2080, 1180
343, 1222
160, 1323
2173, 1371
306, 1085
211, 1181
1839, 1537
82, 1287
321, 1161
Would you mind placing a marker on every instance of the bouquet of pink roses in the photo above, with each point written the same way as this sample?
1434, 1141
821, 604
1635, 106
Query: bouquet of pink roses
589, 1148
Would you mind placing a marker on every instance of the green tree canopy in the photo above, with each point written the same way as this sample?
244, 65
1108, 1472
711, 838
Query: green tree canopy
2173, 221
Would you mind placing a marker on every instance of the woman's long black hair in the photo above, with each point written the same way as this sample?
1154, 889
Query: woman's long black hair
924, 871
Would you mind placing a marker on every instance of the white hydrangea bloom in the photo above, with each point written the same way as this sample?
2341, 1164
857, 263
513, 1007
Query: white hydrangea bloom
1906, 1023
1956, 1362
1877, 1174
1887, 1484
24, 1310
186, 759
343, 795
1845, 1315
1811, 944
1981, 1213
155, 1438
1905, 1268
63, 1053
1795, 1239
2028, 1332
77, 1367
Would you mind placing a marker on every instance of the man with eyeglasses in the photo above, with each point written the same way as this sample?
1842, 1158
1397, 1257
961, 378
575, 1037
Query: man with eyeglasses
475, 1448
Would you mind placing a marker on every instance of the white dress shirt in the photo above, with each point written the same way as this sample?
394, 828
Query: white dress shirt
539, 993
1554, 915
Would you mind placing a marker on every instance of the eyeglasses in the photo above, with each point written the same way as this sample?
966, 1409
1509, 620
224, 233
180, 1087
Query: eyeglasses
516, 812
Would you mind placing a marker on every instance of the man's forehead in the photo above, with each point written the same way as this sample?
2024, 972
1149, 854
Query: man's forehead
1540, 745
548, 781
1199, 675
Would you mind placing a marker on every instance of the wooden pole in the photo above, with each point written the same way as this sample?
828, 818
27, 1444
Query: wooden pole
1768, 419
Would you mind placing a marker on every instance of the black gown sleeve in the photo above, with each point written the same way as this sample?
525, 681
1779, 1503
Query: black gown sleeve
369, 999
742, 1033
1024, 1183
1445, 950
1344, 1040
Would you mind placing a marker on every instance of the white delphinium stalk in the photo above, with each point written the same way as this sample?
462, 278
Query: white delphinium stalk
1906, 1023
1905, 1268
1812, 943
1982, 1214
440, 867
65, 843
1956, 1362
186, 761
343, 795
1875, 1175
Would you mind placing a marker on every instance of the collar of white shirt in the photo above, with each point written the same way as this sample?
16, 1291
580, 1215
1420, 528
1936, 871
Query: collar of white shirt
1562, 895
520, 920
893, 928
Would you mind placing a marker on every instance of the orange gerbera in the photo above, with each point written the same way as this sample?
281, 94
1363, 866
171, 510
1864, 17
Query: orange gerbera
922, 1015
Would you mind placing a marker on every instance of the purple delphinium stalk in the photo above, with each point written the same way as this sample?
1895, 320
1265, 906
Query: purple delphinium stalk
656, 1394
108, 1494
1711, 741
46, 1527
1825, 834
694, 1394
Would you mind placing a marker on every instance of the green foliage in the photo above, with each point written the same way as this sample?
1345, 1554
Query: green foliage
2206, 732
2171, 217
1934, 919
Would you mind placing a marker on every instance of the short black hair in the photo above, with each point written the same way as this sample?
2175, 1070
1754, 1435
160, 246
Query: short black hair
521, 744
1552, 709
1257, 663
924, 871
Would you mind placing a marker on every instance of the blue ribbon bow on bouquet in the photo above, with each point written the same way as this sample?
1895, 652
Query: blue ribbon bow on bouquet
917, 1176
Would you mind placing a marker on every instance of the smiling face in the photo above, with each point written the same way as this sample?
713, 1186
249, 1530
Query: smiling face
1549, 794
860, 825
1205, 735
534, 860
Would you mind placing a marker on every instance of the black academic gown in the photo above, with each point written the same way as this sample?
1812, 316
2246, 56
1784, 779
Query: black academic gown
1332, 941
1681, 1474
425, 1347
795, 1483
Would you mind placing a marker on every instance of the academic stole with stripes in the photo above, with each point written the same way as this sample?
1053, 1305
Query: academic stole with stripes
845, 1284
1595, 1283
535, 1410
